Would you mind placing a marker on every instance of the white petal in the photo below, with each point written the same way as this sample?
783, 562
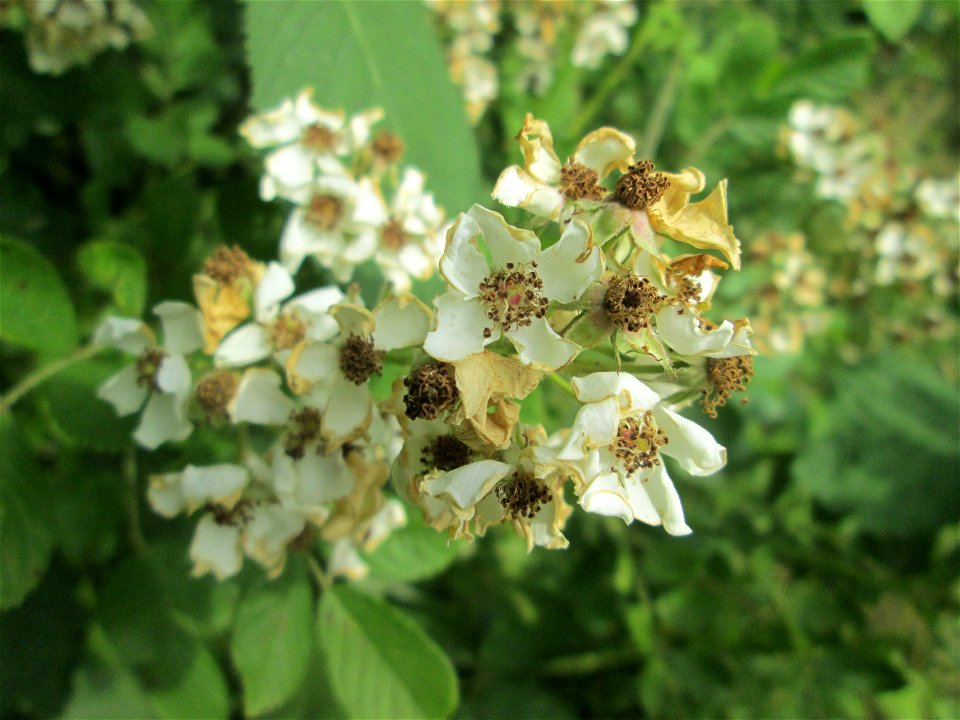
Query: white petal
272, 128
632, 395
568, 266
298, 241
165, 494
459, 328
595, 426
222, 484
162, 421
537, 344
291, 166
369, 208
505, 242
260, 400
691, 445
345, 560
605, 496
182, 327
275, 286
739, 344
517, 188
466, 486
462, 263
312, 362
348, 412
605, 149
216, 548
401, 321
655, 500
126, 334
173, 376
323, 478
316, 302
123, 391
682, 332
246, 345
268, 532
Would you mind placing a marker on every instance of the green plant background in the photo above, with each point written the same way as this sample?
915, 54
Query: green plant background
822, 580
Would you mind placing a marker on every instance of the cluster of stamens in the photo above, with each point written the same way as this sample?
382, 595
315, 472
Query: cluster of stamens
387, 146
215, 391
513, 297
637, 444
446, 453
324, 211
319, 138
578, 182
359, 359
239, 514
302, 429
631, 301
148, 365
725, 377
227, 264
287, 330
392, 235
688, 290
640, 187
523, 495
431, 389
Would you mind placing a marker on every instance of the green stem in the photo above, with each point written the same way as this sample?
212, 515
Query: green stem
577, 318
657, 121
134, 532
322, 579
591, 663
562, 383
41, 374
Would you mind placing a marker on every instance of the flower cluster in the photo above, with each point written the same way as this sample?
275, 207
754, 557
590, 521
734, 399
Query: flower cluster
327, 398
599, 28
63, 33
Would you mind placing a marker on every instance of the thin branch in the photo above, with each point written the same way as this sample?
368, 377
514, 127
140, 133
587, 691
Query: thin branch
42, 374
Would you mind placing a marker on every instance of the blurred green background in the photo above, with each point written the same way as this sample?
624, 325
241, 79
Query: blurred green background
822, 579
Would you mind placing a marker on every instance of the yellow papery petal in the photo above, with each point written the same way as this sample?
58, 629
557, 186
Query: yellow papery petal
702, 224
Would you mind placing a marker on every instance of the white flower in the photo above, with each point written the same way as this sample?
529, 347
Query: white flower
310, 139
336, 372
543, 185
160, 373
939, 198
615, 447
604, 33
509, 293
278, 328
336, 222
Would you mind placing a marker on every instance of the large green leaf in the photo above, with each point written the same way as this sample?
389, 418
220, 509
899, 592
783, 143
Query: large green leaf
272, 642
414, 552
118, 269
893, 18
381, 663
361, 55
35, 309
830, 70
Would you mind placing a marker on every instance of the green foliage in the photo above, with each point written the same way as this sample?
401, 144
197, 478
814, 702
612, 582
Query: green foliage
380, 663
893, 18
117, 269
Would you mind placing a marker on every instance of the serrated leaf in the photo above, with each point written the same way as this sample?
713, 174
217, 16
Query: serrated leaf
272, 642
35, 310
892, 18
363, 55
380, 662
120, 270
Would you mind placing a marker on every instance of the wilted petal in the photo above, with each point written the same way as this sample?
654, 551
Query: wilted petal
631, 394
272, 128
654, 490
595, 426
506, 243
267, 534
462, 264
680, 329
605, 149
466, 486
606, 496
517, 188
691, 445
311, 362
538, 345
216, 549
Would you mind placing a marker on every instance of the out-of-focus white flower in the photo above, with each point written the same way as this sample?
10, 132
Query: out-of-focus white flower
905, 253
939, 197
604, 33
160, 373
509, 293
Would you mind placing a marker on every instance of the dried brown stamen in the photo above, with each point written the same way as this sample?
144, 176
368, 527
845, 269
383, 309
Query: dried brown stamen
513, 297
227, 264
148, 366
446, 453
324, 211
523, 495
631, 301
237, 515
637, 443
319, 138
579, 182
215, 391
287, 330
387, 146
639, 187
725, 377
393, 236
688, 291
302, 429
359, 359
431, 389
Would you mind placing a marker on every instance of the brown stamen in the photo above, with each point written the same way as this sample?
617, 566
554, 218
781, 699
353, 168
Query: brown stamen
239, 514
324, 211
726, 376
393, 236
631, 301
578, 182
446, 453
639, 187
359, 359
387, 146
513, 297
637, 443
302, 429
320, 139
287, 330
431, 389
148, 366
215, 391
227, 264
523, 495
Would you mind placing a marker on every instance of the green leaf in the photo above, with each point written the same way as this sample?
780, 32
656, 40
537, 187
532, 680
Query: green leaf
381, 663
200, 692
24, 518
893, 18
272, 642
35, 308
363, 55
829, 71
118, 269
411, 553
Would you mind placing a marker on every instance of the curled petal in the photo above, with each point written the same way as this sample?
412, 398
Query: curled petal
517, 188
309, 363
126, 334
506, 243
539, 157
680, 329
222, 484
654, 491
462, 264
595, 426
605, 149
165, 494
538, 345
569, 266
272, 128
631, 394
606, 496
466, 486
691, 445
275, 286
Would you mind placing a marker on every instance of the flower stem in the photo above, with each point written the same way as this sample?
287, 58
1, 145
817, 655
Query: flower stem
577, 318
42, 374
322, 579
129, 469
562, 383
661, 108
